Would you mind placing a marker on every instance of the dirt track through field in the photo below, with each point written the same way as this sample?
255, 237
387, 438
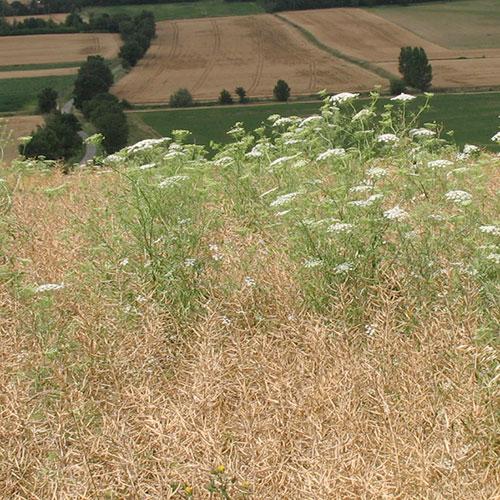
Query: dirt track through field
45, 49
207, 55
368, 37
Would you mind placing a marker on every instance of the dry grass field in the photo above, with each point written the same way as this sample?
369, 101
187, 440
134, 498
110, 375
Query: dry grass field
14, 127
207, 55
108, 390
369, 37
42, 49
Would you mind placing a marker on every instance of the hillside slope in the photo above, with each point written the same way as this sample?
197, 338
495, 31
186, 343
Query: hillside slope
311, 314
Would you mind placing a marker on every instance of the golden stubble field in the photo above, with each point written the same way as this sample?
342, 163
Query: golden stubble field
13, 128
207, 55
60, 48
372, 38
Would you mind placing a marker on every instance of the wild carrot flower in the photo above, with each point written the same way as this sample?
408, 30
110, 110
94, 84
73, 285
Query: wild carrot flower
403, 97
366, 203
340, 227
147, 166
387, 138
343, 97
376, 172
172, 181
49, 287
249, 282
284, 198
345, 267
493, 230
395, 213
494, 257
312, 262
330, 153
496, 137
421, 133
459, 197
439, 163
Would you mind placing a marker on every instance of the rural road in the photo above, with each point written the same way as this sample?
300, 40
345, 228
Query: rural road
90, 149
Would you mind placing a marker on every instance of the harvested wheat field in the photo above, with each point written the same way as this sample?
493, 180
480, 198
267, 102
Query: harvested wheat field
369, 37
207, 55
12, 128
33, 73
460, 73
43, 49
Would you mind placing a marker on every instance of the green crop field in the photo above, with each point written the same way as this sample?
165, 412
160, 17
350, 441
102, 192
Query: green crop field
473, 117
461, 24
20, 94
27, 67
185, 10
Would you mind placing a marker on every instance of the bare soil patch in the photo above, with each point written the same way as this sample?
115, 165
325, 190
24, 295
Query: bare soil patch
42, 49
17, 126
368, 37
207, 55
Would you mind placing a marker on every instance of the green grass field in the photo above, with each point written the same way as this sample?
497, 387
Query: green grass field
473, 117
20, 94
461, 24
185, 10
27, 67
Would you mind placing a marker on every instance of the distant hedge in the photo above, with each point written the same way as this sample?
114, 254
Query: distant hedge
279, 5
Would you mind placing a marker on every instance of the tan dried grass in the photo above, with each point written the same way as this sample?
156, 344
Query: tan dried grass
297, 405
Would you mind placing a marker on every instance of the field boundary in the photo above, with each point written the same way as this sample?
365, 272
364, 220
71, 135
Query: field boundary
337, 53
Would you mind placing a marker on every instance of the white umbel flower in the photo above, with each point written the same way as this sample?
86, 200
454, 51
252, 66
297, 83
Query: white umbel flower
403, 97
284, 199
420, 133
439, 163
459, 197
396, 213
343, 97
387, 138
330, 153
496, 137
493, 230
340, 227
48, 287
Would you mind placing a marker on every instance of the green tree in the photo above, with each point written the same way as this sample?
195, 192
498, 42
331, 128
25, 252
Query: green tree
281, 91
131, 52
225, 97
47, 100
415, 68
181, 99
242, 94
114, 127
94, 77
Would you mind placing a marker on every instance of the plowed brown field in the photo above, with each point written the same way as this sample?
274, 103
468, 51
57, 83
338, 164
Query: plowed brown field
17, 126
42, 49
369, 37
207, 55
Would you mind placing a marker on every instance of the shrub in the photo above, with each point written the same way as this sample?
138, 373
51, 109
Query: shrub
225, 97
281, 91
130, 53
47, 100
181, 99
397, 86
242, 94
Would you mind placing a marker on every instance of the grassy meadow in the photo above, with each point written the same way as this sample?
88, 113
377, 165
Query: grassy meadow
313, 313
460, 24
20, 94
27, 67
473, 117
184, 10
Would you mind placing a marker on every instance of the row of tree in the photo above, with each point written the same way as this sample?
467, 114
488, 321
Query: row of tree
279, 5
